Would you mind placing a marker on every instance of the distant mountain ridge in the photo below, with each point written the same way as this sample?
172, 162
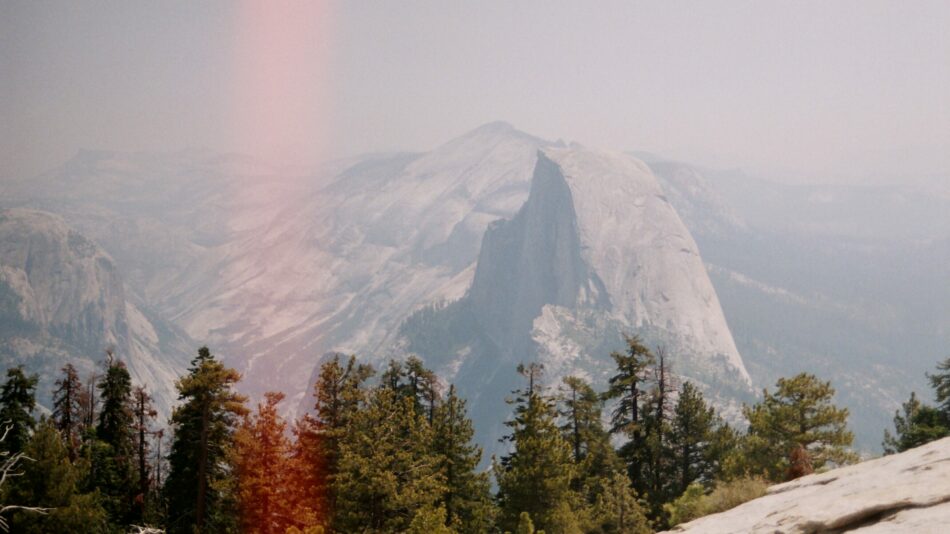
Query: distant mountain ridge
847, 282
273, 270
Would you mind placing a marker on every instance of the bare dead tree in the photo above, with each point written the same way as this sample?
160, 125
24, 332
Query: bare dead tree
9, 468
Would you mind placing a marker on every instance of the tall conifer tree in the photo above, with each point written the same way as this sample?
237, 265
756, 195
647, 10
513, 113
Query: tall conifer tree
17, 400
799, 414
626, 387
536, 476
692, 439
143, 413
386, 472
115, 471
338, 393
466, 500
51, 482
262, 468
196, 487
66, 409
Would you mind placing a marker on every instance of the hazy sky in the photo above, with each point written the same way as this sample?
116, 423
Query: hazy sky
810, 91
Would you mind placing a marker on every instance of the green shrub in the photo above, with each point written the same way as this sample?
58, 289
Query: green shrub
694, 502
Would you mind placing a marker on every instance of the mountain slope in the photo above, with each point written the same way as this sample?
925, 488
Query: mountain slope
817, 279
595, 252
274, 270
63, 299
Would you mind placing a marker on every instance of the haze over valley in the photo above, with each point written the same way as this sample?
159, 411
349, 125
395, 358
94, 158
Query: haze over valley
306, 267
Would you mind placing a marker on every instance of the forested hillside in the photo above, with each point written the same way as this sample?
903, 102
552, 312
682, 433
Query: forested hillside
391, 450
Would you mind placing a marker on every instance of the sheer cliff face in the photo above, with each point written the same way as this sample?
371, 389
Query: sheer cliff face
530, 261
597, 250
62, 300
594, 252
652, 273
62, 282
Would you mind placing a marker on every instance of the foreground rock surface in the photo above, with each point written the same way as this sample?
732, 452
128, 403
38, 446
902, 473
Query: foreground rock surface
907, 492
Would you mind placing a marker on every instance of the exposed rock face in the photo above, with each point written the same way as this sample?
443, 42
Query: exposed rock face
272, 270
532, 260
596, 251
62, 299
650, 267
903, 493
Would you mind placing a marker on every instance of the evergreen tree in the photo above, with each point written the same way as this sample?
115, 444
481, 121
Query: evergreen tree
386, 471
196, 488
305, 477
693, 455
917, 425
115, 419
143, 413
50, 481
627, 388
423, 386
617, 509
655, 444
940, 381
262, 468
17, 400
799, 413
88, 405
466, 501
594, 456
339, 393
432, 521
115, 468
525, 524
66, 409
536, 476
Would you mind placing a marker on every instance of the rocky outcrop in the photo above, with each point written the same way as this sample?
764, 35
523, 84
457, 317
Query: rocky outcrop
903, 493
532, 260
62, 300
595, 252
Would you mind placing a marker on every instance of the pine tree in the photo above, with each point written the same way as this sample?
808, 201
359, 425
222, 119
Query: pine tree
339, 393
627, 388
115, 469
66, 409
466, 501
196, 487
423, 386
262, 467
536, 476
692, 439
617, 509
306, 476
17, 400
917, 425
432, 521
386, 471
583, 428
88, 405
655, 446
525, 524
50, 481
940, 382
143, 413
800, 413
